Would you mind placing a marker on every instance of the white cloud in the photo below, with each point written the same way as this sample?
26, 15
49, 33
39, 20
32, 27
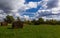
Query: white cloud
32, 4
26, 17
40, 11
55, 10
51, 6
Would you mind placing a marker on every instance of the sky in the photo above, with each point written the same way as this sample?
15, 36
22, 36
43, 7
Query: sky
30, 9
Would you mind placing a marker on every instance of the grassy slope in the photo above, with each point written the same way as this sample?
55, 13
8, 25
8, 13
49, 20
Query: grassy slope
29, 31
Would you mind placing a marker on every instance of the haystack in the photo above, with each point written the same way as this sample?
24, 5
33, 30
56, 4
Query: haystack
17, 24
4, 23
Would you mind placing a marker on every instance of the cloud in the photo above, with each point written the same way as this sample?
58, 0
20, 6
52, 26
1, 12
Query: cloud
54, 6
10, 6
16, 7
50, 6
32, 4
26, 17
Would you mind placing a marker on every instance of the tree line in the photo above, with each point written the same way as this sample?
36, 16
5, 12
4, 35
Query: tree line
41, 21
10, 19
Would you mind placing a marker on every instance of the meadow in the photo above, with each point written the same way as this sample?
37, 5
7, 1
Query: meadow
31, 31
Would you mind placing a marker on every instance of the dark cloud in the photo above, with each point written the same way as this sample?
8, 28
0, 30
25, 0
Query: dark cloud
52, 3
10, 7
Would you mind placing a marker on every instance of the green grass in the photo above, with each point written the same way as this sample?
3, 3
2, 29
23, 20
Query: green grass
31, 31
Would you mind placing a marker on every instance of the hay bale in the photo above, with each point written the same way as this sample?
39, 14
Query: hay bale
17, 24
4, 23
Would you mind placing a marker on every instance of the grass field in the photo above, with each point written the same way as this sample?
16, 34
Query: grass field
31, 31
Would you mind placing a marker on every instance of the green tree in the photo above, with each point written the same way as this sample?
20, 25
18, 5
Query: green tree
37, 22
52, 22
18, 19
41, 20
9, 19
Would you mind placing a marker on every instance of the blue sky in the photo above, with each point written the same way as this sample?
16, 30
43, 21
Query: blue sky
32, 10
32, 1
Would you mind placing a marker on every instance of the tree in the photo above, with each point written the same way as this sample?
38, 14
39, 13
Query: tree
9, 19
37, 22
18, 19
41, 21
52, 22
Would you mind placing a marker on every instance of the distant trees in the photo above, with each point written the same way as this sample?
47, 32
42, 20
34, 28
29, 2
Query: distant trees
9, 19
41, 21
18, 19
58, 22
27, 22
37, 22
52, 22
